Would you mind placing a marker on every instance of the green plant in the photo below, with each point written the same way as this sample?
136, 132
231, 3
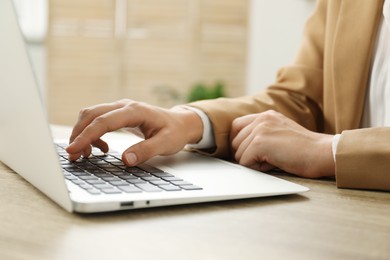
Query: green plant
201, 91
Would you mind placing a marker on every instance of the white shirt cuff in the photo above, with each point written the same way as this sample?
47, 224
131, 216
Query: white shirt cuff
335, 142
207, 140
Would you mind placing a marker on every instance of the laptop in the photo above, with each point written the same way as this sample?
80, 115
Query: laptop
106, 184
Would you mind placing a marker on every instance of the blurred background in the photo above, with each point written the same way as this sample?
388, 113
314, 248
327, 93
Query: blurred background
164, 52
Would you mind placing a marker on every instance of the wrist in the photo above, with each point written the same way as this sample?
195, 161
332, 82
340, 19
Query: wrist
191, 122
327, 162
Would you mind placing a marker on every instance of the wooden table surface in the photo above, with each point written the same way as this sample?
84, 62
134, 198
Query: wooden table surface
324, 223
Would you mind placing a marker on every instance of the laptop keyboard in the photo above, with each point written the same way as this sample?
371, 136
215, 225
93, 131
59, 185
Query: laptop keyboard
107, 174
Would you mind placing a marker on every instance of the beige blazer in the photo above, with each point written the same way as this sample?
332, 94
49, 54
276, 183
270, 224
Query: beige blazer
324, 90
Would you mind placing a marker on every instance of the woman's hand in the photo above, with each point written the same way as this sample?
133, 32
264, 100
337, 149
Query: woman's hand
267, 140
166, 131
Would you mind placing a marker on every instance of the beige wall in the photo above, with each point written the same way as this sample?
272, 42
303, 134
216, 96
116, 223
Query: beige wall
148, 50
274, 37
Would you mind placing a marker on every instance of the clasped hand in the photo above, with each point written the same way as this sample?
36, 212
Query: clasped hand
270, 140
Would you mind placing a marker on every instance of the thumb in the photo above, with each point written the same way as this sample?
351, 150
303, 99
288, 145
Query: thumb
145, 150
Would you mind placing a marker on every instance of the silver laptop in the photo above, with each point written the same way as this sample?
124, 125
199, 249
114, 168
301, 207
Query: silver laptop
105, 184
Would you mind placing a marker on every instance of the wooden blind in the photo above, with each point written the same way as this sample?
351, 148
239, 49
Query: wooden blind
147, 50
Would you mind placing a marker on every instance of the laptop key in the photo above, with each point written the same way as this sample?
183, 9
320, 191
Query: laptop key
134, 170
170, 187
90, 177
97, 170
111, 159
142, 174
70, 177
78, 182
121, 173
150, 178
148, 187
80, 173
130, 189
171, 178
95, 181
86, 186
149, 168
103, 175
163, 174
111, 191
93, 191
103, 186
136, 181
118, 163
81, 163
119, 183
181, 183
110, 168
160, 182
71, 168
128, 177
191, 187
110, 178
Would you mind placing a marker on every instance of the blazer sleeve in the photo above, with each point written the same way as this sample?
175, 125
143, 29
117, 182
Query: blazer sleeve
297, 92
363, 159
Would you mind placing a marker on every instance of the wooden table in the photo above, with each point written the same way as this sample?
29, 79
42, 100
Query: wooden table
324, 223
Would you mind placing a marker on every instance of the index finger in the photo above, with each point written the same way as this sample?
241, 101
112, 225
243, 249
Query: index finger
110, 121
87, 115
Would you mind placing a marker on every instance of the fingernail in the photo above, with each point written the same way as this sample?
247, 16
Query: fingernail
131, 158
71, 146
73, 157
